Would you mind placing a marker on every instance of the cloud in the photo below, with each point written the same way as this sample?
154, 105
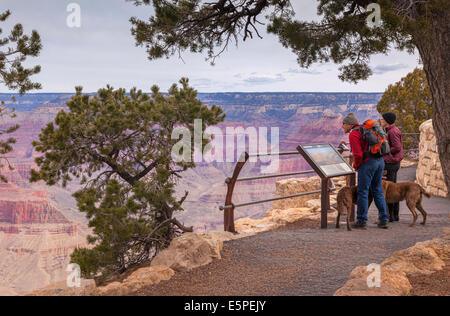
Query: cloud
264, 79
382, 69
303, 71
202, 82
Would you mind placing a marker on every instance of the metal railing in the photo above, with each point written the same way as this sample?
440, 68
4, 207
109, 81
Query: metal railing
229, 206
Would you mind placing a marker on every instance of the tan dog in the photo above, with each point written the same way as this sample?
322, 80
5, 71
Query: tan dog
346, 198
409, 191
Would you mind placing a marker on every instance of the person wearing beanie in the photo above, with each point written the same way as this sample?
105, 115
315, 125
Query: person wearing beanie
392, 161
389, 117
370, 174
350, 119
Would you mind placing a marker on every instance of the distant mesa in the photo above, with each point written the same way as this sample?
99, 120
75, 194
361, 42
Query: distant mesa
329, 114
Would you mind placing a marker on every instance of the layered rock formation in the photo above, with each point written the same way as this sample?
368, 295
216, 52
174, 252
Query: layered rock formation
429, 171
29, 212
326, 129
36, 240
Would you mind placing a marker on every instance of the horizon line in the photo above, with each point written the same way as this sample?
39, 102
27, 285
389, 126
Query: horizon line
199, 92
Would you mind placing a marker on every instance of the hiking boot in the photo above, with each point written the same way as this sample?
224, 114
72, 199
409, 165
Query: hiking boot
359, 226
391, 216
383, 225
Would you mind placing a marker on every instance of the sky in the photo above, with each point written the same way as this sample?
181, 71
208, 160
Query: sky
102, 51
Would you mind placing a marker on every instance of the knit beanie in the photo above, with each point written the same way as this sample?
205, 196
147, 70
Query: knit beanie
350, 119
390, 117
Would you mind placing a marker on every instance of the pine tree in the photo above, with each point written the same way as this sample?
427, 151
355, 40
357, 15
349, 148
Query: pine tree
14, 50
120, 146
342, 36
19, 46
410, 100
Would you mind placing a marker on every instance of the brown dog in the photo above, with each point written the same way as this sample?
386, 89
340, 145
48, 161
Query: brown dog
409, 191
346, 198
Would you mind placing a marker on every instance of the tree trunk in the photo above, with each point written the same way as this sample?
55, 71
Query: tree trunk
435, 53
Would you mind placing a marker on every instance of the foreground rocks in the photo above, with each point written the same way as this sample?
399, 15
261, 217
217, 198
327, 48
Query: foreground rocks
185, 253
424, 258
135, 281
190, 251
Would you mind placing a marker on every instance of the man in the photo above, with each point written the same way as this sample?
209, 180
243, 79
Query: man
392, 162
370, 174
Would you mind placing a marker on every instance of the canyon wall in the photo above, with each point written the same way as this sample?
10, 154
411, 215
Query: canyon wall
36, 240
429, 171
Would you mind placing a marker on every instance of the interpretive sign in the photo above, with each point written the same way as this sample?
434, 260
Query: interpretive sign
325, 160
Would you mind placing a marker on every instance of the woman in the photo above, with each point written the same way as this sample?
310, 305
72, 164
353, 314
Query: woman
392, 161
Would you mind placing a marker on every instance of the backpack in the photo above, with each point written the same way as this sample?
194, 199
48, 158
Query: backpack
376, 137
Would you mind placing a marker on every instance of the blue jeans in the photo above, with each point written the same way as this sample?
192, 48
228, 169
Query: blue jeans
370, 175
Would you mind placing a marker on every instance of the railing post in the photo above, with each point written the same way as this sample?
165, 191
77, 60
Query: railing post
231, 182
325, 202
351, 181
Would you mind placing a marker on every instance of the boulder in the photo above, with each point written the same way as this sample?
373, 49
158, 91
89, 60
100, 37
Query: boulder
414, 260
358, 287
441, 246
135, 281
254, 226
315, 205
295, 186
61, 289
291, 215
112, 289
396, 279
188, 252
273, 219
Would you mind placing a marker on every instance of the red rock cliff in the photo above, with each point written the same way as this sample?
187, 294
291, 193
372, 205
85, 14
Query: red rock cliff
30, 212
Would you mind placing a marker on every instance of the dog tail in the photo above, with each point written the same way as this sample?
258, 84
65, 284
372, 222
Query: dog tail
428, 195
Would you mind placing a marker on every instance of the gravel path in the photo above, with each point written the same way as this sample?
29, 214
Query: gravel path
304, 261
